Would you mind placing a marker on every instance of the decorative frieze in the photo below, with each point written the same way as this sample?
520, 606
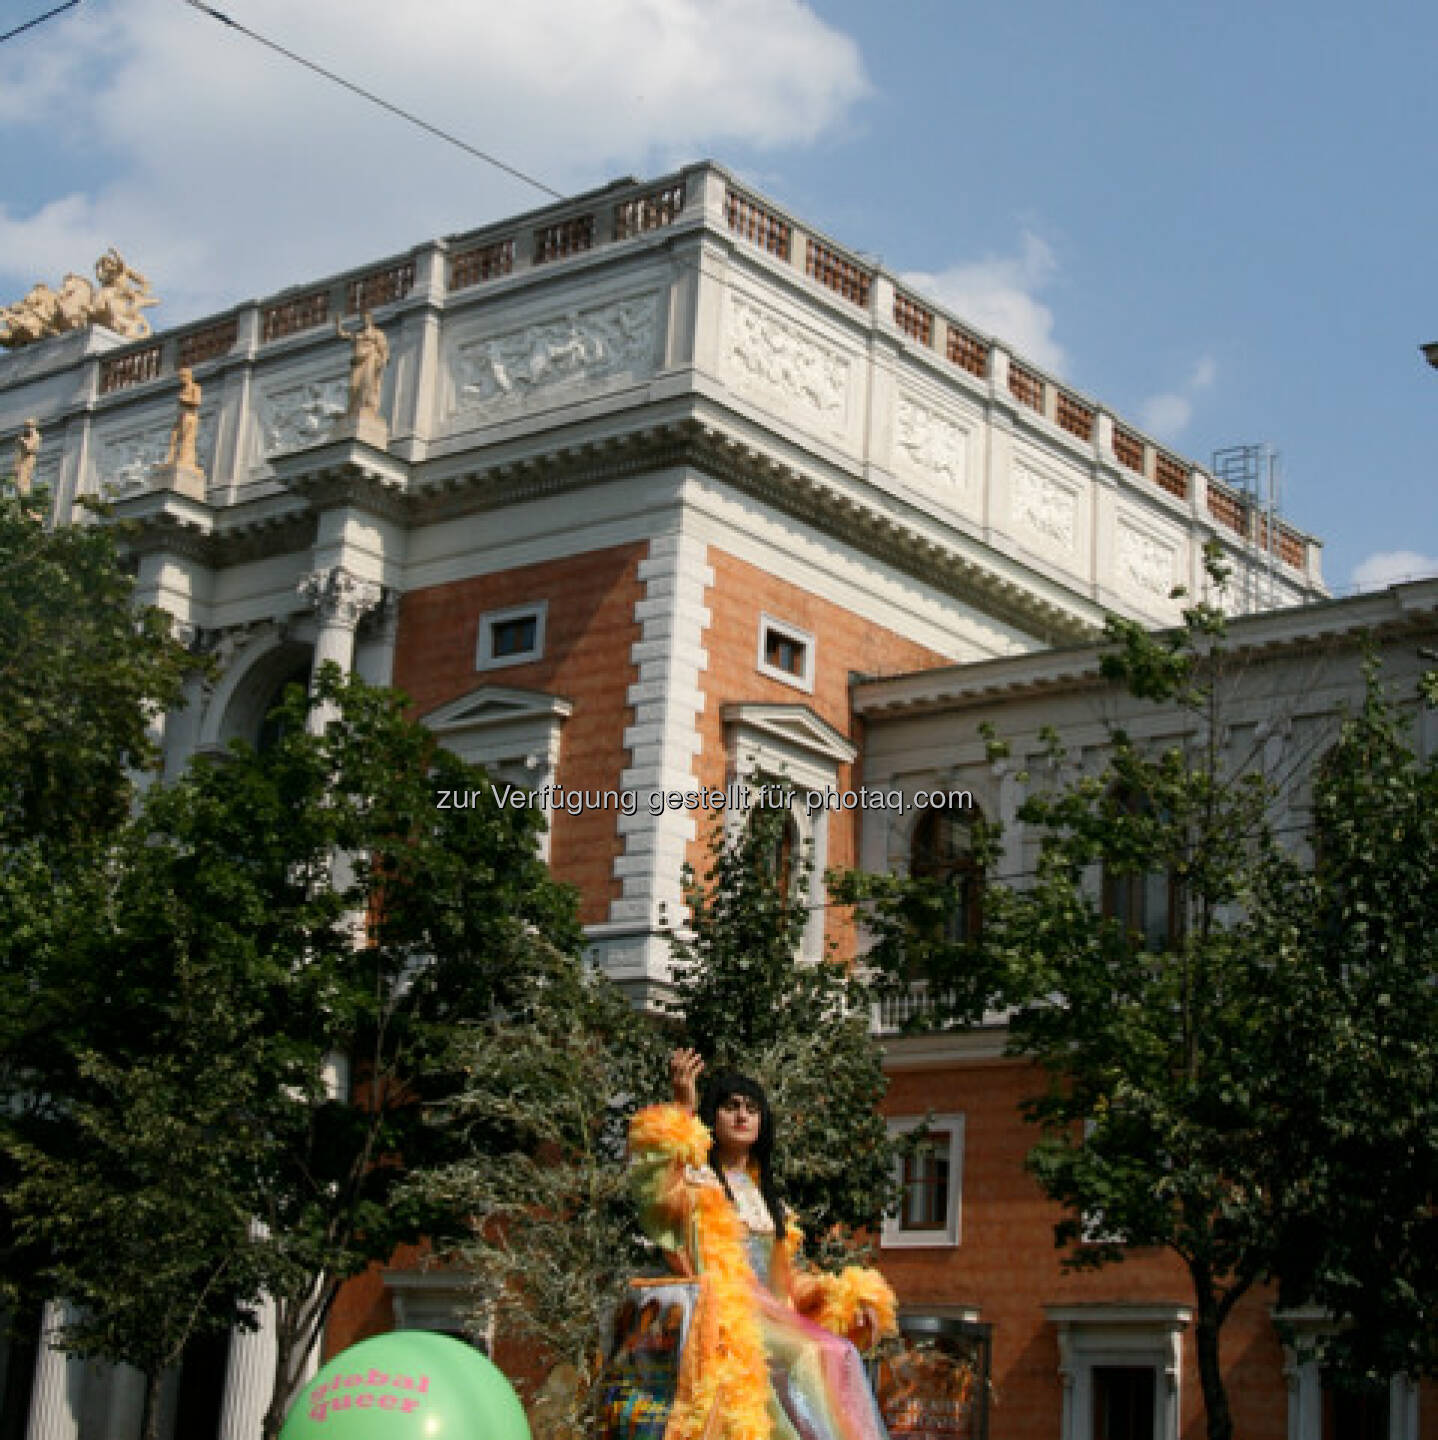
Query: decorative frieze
301, 413
768, 353
582, 348
933, 444
1145, 563
1045, 508
126, 457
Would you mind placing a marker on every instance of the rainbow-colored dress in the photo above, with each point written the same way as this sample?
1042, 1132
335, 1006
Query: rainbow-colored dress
753, 1349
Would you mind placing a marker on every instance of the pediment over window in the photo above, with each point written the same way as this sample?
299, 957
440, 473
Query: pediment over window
497, 705
514, 734
794, 727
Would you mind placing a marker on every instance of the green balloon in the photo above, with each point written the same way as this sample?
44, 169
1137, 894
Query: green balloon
408, 1385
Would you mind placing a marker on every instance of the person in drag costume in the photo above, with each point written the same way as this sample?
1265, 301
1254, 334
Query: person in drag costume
743, 1344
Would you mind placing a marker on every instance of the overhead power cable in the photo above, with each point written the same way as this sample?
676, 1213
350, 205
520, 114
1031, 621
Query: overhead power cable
372, 98
38, 20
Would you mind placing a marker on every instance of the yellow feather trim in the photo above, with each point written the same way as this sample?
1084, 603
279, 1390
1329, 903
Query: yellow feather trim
673, 1130
844, 1293
724, 1384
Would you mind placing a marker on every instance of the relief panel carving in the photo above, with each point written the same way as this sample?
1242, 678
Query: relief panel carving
125, 458
1145, 563
1044, 509
618, 341
766, 354
933, 444
300, 413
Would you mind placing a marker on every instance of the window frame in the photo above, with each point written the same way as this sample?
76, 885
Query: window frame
484, 656
895, 1235
961, 871
803, 678
1122, 895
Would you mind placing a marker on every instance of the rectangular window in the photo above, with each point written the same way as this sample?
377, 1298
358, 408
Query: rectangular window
931, 1178
926, 1184
511, 637
783, 652
786, 653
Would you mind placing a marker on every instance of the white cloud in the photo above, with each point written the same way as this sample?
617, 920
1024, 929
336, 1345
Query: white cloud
1167, 415
230, 171
998, 295
1388, 567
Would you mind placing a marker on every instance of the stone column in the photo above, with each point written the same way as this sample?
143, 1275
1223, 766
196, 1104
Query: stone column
341, 600
55, 1396
249, 1378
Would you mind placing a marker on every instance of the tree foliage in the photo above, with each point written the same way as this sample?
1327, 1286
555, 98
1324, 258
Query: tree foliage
550, 1086
289, 944
1366, 1247
1225, 1083
83, 675
83, 672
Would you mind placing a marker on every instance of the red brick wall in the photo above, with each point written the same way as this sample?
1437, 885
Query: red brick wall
844, 642
1007, 1266
589, 629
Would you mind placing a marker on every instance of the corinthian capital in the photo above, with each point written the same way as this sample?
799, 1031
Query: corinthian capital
340, 597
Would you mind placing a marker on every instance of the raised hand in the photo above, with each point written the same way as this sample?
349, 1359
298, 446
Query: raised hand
685, 1067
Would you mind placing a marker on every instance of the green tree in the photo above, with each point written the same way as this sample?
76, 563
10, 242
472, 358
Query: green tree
1366, 1246
745, 998
1166, 1119
83, 676
550, 1087
343, 922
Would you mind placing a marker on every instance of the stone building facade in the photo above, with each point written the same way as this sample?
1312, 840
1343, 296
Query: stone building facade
656, 473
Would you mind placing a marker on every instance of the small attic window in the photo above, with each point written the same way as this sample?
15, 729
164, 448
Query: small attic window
786, 653
511, 637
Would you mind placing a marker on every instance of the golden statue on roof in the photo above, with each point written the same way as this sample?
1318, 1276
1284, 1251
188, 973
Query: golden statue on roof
116, 303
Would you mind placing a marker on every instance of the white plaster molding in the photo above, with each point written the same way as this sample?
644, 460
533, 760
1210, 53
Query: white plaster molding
126, 455
514, 734
803, 736
440, 1300
1145, 564
792, 744
894, 1235
1099, 1335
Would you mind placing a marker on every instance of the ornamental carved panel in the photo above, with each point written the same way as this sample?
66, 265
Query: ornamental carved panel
127, 455
1045, 509
579, 349
932, 444
765, 353
1145, 562
299, 413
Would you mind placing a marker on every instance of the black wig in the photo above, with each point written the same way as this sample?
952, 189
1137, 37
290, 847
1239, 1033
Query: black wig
724, 1086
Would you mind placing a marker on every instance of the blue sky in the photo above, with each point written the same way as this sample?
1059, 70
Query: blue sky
1218, 220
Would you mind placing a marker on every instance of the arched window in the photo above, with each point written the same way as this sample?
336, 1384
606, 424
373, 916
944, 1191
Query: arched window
1149, 903
942, 848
